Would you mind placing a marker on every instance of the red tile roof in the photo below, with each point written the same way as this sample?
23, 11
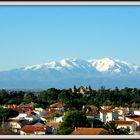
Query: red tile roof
135, 118
15, 120
29, 105
105, 111
120, 122
120, 108
89, 113
30, 129
53, 111
57, 105
89, 131
14, 107
92, 107
52, 124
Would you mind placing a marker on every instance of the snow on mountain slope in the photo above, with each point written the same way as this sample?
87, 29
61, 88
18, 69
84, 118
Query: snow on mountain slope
115, 66
104, 66
68, 72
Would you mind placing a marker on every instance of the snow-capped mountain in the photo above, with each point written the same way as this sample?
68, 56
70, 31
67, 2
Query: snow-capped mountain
68, 72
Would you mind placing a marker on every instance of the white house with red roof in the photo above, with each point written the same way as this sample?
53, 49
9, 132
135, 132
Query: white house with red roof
134, 118
124, 124
33, 130
58, 106
16, 124
29, 115
108, 115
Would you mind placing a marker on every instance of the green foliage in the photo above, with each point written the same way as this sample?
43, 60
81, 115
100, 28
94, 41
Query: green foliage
124, 131
111, 127
94, 123
48, 96
65, 131
35, 105
29, 97
126, 97
6, 113
74, 119
71, 120
4, 96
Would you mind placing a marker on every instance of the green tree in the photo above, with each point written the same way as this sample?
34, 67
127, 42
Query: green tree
6, 113
4, 96
29, 97
124, 131
48, 96
94, 123
111, 127
71, 120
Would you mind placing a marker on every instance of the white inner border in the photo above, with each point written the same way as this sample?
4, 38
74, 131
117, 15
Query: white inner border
69, 3
70, 137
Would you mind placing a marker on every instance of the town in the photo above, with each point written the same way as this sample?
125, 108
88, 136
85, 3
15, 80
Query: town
74, 111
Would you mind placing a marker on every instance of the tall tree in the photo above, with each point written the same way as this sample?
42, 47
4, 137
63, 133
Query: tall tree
71, 120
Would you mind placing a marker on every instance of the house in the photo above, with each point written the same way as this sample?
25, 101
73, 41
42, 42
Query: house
53, 125
29, 105
93, 107
108, 115
134, 118
40, 111
90, 108
92, 115
16, 124
89, 131
27, 116
106, 107
52, 115
58, 106
124, 124
121, 110
14, 107
58, 119
33, 130
136, 111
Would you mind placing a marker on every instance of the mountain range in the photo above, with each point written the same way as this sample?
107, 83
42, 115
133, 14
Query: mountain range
69, 72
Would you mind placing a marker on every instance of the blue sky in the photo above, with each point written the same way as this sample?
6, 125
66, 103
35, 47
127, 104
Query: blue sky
38, 34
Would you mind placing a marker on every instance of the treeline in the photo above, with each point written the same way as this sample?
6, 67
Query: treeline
126, 97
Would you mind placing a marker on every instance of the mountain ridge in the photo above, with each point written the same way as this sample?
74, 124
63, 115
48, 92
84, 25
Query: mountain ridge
73, 71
